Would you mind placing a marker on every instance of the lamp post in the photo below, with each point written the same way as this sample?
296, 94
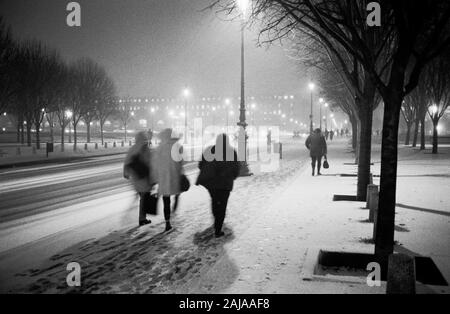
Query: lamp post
321, 101
326, 115
311, 88
186, 95
242, 142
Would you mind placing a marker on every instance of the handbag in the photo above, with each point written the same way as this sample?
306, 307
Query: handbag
150, 204
326, 165
184, 183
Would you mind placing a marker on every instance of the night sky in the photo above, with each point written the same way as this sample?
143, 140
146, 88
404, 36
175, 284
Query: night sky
156, 47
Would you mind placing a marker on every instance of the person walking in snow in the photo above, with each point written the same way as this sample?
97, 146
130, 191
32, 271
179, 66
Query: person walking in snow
139, 168
317, 146
219, 168
169, 171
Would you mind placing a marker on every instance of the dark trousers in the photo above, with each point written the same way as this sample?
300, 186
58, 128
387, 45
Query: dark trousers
144, 200
167, 206
219, 201
318, 160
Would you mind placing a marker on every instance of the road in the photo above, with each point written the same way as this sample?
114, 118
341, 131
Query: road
76, 200
47, 209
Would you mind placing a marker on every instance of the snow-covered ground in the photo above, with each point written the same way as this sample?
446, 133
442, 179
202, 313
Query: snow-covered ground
274, 221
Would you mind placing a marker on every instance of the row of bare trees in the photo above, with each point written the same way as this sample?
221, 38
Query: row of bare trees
383, 63
432, 98
38, 86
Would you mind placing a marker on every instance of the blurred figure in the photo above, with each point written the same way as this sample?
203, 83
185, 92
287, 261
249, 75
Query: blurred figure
327, 133
217, 174
169, 171
332, 135
139, 167
317, 146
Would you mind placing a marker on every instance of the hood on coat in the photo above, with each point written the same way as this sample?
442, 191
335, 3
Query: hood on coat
141, 138
168, 135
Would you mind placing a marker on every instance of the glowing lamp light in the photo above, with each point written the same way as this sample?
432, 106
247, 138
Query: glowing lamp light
311, 86
243, 6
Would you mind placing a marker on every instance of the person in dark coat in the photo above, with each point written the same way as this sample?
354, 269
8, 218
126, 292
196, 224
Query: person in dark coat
317, 146
139, 167
219, 168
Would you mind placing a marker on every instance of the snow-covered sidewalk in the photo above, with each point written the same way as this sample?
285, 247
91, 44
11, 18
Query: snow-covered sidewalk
278, 253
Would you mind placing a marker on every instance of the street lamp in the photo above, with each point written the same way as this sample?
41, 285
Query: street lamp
311, 88
326, 114
186, 94
242, 151
321, 101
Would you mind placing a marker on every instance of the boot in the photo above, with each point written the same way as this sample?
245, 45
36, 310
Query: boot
168, 226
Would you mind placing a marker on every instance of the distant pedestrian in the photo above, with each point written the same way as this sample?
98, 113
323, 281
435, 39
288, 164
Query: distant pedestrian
327, 133
317, 146
139, 168
269, 141
347, 132
332, 135
169, 171
219, 168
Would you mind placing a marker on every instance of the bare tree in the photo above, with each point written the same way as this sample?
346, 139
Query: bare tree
125, 114
411, 34
438, 88
409, 112
36, 67
7, 87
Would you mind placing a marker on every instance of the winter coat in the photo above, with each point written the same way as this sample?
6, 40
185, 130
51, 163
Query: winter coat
141, 182
317, 145
169, 169
220, 173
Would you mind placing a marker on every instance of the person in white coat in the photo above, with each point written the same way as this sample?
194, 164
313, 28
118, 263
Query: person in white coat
169, 168
139, 168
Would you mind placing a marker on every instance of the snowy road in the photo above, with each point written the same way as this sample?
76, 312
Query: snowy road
48, 210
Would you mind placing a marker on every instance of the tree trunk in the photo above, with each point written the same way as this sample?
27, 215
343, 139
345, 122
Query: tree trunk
52, 135
435, 136
364, 152
101, 132
88, 131
354, 132
408, 134
422, 134
75, 137
19, 123
22, 133
63, 130
416, 132
28, 133
38, 135
125, 125
384, 239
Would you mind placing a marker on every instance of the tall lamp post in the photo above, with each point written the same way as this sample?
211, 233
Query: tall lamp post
321, 101
311, 126
186, 95
242, 142
326, 115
